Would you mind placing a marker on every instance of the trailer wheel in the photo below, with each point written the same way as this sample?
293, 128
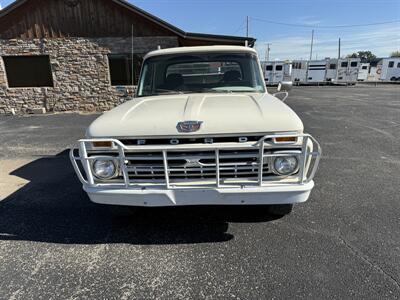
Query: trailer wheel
393, 79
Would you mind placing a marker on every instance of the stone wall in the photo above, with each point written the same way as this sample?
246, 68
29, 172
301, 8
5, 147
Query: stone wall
80, 73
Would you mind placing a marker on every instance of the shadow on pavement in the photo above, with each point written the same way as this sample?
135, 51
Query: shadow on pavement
53, 208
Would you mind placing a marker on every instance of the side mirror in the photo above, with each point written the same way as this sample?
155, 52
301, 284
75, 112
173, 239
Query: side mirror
285, 86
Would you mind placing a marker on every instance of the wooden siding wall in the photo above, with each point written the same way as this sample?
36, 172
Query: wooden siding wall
75, 18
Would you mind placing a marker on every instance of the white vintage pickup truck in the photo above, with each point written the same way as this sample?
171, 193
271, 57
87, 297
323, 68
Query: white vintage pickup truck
202, 130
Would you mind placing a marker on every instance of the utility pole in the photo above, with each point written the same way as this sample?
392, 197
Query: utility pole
339, 49
267, 52
247, 26
312, 43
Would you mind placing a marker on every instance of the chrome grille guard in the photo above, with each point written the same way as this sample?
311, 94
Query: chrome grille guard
308, 162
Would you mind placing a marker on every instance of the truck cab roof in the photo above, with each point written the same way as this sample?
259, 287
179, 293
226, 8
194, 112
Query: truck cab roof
202, 49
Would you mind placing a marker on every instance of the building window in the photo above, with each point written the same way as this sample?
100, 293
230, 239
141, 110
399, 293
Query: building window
353, 64
344, 64
123, 69
269, 68
278, 68
391, 64
28, 71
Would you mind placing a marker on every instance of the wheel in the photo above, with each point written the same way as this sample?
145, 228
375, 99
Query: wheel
280, 209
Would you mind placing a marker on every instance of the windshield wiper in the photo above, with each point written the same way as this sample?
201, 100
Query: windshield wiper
170, 92
219, 90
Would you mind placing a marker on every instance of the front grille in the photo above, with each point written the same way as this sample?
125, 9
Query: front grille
190, 166
195, 165
194, 140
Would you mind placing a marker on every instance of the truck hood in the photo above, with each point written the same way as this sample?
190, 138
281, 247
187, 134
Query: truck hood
220, 114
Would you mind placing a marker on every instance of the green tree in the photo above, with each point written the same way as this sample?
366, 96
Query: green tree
395, 54
354, 55
365, 56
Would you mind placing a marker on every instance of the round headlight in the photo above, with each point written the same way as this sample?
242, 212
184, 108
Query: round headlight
285, 165
104, 169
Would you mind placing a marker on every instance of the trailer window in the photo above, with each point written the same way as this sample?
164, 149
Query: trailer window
28, 71
353, 64
269, 68
398, 65
278, 68
344, 64
332, 66
364, 67
391, 64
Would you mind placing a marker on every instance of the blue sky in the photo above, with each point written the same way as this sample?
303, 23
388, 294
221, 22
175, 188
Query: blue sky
288, 42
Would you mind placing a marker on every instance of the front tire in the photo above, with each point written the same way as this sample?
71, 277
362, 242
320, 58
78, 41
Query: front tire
280, 209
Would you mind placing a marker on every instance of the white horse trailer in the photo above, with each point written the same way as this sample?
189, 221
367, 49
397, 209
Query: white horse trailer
277, 71
390, 70
331, 70
363, 72
316, 71
299, 71
347, 70
375, 73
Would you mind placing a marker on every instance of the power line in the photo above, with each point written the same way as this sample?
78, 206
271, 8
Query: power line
241, 27
324, 26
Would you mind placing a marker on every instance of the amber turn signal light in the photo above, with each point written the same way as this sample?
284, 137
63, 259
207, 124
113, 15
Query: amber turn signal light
104, 144
286, 139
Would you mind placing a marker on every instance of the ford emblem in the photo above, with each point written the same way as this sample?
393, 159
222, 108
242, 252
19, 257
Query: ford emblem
189, 126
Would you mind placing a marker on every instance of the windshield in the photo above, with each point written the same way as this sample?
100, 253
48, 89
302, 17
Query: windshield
200, 73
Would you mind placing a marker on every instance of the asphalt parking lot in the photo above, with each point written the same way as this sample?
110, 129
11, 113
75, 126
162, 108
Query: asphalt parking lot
343, 243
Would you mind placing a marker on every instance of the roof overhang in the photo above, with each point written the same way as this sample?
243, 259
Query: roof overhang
179, 32
184, 34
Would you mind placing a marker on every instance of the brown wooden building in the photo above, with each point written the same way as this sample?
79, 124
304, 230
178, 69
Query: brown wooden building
81, 54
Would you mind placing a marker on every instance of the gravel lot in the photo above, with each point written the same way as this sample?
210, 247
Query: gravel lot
343, 243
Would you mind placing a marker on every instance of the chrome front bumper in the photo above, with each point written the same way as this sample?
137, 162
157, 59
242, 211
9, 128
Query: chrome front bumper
260, 190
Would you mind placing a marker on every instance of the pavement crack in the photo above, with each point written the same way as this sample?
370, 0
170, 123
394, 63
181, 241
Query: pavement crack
354, 251
365, 259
